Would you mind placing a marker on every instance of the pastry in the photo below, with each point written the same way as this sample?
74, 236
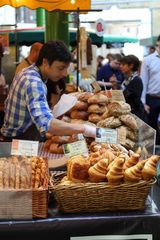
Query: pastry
150, 167
97, 173
134, 173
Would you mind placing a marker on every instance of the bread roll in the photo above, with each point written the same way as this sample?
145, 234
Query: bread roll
129, 121
79, 115
85, 96
98, 98
77, 169
97, 173
94, 117
134, 173
131, 161
115, 174
82, 106
56, 148
118, 108
110, 122
95, 108
150, 167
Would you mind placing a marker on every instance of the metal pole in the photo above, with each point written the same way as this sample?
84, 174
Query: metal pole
78, 42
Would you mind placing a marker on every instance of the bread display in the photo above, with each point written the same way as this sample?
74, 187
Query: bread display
23, 173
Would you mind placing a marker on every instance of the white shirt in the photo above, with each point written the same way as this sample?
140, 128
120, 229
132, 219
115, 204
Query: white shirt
150, 74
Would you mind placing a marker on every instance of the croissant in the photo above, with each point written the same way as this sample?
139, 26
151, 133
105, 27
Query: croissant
115, 174
77, 169
97, 173
134, 158
150, 167
134, 173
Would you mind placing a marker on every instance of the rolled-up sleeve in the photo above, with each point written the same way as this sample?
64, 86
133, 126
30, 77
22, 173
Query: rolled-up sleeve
37, 104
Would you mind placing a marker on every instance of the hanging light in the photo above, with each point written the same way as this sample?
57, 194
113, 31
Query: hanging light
73, 1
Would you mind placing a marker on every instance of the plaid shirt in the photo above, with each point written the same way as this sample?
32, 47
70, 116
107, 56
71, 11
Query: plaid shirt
26, 104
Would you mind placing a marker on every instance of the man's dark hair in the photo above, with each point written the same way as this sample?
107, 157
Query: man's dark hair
54, 51
131, 59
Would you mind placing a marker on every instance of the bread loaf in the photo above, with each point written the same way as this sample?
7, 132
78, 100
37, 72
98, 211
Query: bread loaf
118, 108
77, 169
98, 98
79, 115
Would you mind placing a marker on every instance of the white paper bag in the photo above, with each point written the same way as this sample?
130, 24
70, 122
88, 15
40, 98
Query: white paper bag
65, 103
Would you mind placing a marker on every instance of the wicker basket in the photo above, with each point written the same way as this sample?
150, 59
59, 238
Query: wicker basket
23, 203
96, 197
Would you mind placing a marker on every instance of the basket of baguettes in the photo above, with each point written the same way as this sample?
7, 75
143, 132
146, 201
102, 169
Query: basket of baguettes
23, 187
109, 179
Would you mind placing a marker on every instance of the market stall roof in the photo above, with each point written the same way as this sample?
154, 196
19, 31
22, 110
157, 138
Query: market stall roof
29, 36
49, 5
148, 41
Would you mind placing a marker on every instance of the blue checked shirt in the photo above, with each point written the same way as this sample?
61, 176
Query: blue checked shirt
26, 104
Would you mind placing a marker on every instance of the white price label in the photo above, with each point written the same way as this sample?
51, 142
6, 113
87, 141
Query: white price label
76, 148
24, 147
106, 135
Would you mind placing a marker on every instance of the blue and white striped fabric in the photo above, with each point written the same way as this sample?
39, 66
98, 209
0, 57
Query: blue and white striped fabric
26, 104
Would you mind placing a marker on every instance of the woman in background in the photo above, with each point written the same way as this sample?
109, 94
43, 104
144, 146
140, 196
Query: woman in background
132, 86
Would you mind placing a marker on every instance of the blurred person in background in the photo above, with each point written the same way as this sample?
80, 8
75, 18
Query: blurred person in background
110, 75
2, 78
132, 85
32, 57
99, 63
150, 74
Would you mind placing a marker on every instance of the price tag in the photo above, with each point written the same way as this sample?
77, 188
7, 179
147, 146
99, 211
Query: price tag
106, 135
76, 148
24, 147
95, 86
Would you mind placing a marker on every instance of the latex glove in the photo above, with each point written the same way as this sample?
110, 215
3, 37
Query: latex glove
90, 131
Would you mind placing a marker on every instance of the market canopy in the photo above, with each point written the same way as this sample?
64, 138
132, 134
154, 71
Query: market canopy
49, 5
28, 37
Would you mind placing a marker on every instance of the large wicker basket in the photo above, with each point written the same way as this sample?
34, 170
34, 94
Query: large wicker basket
23, 203
96, 197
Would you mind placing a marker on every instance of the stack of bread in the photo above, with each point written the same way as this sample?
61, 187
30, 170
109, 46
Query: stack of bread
112, 165
23, 173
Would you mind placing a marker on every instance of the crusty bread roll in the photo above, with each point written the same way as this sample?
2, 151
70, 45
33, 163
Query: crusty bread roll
98, 98
118, 108
79, 115
94, 117
77, 169
82, 106
56, 148
110, 122
97, 173
96, 108
129, 121
150, 167
85, 96
134, 173
115, 173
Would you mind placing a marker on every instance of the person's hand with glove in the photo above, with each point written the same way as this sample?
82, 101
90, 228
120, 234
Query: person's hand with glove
89, 131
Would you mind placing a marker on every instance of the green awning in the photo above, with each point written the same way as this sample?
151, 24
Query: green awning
148, 41
28, 37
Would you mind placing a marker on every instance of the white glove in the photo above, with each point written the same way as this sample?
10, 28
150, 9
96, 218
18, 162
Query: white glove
90, 131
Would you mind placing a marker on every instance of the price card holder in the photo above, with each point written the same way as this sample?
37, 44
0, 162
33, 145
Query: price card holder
95, 86
24, 147
106, 135
75, 148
